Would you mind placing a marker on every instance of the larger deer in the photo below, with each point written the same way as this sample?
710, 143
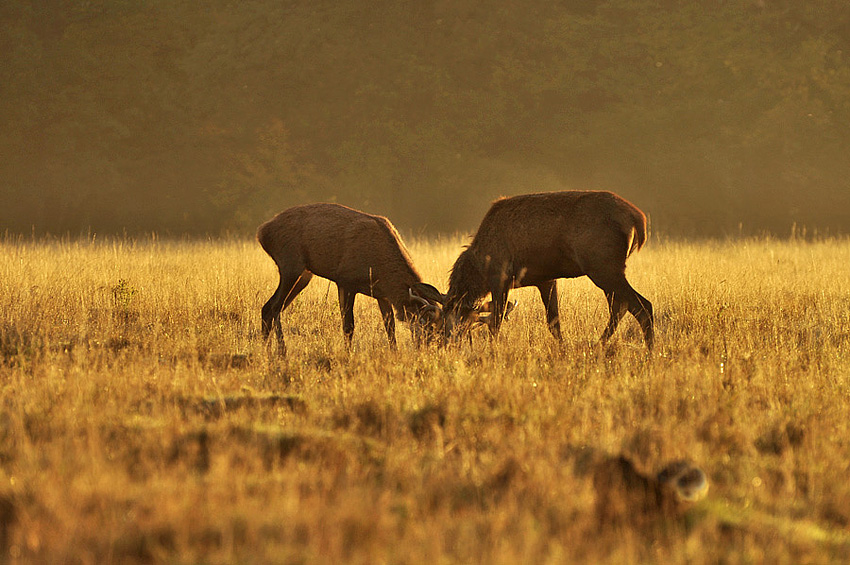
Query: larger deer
534, 239
361, 253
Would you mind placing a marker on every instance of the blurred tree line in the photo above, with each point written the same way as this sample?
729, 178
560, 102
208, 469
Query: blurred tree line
201, 117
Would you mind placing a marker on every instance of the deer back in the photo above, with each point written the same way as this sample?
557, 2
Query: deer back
559, 234
360, 251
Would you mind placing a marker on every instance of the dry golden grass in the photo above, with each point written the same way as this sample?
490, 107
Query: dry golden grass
142, 419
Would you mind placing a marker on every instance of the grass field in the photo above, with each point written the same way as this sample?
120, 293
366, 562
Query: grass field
143, 420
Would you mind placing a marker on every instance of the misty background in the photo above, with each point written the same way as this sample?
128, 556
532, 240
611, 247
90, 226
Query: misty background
715, 118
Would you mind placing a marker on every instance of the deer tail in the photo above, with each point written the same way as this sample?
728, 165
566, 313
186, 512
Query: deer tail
639, 233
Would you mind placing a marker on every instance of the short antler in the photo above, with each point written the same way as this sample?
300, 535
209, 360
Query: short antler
417, 298
427, 308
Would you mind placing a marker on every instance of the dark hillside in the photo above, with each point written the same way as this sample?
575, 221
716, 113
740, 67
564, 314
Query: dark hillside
204, 117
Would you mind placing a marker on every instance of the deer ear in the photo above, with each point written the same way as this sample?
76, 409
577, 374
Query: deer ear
428, 292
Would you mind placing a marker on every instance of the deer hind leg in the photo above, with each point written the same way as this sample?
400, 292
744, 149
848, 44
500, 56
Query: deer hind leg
389, 321
641, 309
623, 298
549, 294
617, 309
346, 308
302, 282
288, 288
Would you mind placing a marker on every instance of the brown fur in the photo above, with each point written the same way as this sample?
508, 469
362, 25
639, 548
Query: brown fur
626, 495
534, 239
361, 253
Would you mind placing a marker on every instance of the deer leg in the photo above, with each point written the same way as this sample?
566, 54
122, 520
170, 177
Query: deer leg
549, 294
638, 306
300, 284
346, 308
641, 309
617, 310
272, 308
623, 298
289, 286
389, 321
499, 293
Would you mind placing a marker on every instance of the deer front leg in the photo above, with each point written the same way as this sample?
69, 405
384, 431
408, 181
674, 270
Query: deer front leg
499, 292
389, 321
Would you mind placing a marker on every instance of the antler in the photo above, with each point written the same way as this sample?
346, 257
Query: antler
427, 308
417, 298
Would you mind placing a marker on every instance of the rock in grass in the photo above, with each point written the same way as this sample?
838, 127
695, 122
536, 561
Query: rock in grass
625, 494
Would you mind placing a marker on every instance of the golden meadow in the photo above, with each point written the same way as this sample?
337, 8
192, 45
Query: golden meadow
143, 419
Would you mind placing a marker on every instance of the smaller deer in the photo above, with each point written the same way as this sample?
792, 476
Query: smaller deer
361, 253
